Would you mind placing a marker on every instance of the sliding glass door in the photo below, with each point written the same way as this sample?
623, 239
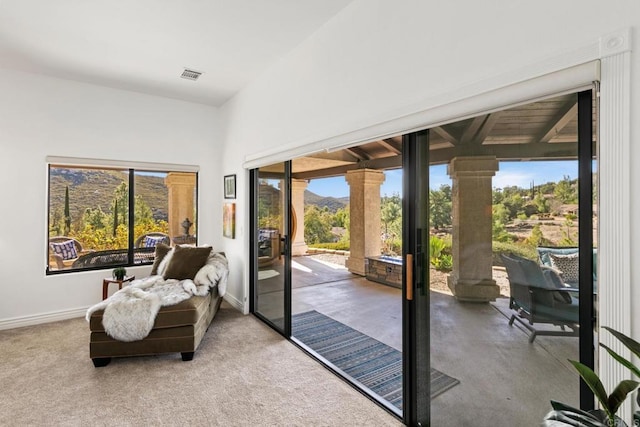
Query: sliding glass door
271, 292
494, 207
499, 264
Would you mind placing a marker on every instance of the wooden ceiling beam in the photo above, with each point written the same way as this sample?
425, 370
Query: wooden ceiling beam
471, 130
565, 114
391, 145
359, 153
440, 130
393, 162
509, 152
486, 128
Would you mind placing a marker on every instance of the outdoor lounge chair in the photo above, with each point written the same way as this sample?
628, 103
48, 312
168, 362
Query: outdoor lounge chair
549, 256
151, 240
64, 251
539, 296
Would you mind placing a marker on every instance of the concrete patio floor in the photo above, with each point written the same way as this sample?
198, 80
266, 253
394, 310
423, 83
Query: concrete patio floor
504, 379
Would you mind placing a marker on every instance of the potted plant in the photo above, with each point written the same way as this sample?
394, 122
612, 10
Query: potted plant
119, 273
563, 415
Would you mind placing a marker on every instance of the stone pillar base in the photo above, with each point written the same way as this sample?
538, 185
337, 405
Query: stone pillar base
483, 290
356, 265
299, 248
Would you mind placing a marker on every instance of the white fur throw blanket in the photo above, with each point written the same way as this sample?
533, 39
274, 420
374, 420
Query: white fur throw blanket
129, 314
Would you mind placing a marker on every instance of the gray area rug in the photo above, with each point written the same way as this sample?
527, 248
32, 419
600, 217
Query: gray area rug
368, 361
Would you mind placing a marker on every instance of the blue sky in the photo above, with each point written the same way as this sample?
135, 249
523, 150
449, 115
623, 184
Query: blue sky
510, 173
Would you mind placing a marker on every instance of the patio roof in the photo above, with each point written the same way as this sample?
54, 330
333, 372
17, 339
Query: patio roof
542, 130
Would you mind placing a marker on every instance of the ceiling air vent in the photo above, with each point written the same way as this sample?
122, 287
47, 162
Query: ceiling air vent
190, 74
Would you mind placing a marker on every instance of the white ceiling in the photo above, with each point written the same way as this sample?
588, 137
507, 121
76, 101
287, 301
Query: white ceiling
144, 45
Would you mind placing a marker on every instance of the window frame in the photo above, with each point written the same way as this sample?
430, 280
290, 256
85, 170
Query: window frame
131, 168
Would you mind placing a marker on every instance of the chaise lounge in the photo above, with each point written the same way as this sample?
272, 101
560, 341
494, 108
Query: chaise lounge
176, 328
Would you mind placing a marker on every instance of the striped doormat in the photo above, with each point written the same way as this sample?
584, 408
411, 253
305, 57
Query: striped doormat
368, 361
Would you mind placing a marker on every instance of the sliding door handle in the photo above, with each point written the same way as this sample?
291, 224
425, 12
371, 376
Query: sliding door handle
408, 273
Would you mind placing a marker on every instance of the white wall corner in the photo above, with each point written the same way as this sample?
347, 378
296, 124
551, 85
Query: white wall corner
615, 43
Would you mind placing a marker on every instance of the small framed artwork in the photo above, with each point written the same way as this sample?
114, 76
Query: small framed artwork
229, 220
230, 187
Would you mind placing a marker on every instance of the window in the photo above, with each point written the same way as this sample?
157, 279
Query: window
101, 217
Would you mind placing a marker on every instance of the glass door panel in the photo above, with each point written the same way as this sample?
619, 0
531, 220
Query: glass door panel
272, 273
510, 213
416, 337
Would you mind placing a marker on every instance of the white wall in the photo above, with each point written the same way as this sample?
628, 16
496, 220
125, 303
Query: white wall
377, 60
41, 116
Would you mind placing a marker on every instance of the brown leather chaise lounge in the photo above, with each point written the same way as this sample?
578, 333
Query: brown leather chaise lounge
177, 328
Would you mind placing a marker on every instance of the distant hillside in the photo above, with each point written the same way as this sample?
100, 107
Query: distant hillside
95, 188
332, 203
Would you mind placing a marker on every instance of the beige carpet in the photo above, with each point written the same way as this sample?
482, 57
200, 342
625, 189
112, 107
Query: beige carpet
243, 374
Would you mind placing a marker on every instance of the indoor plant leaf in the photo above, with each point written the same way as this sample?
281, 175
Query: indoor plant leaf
594, 383
630, 343
620, 393
624, 362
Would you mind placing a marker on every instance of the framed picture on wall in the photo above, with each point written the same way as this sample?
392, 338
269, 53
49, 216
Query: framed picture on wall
230, 187
229, 220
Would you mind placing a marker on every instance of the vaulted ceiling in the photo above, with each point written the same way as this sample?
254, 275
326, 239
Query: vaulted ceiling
144, 45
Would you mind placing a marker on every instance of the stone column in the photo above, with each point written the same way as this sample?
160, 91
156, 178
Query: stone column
472, 275
364, 211
181, 186
298, 245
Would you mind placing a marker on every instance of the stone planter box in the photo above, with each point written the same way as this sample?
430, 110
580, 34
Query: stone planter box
385, 270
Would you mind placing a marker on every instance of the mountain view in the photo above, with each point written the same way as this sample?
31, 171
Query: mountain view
331, 203
95, 188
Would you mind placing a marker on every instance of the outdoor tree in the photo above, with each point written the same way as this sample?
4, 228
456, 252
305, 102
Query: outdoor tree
141, 211
391, 217
566, 191
55, 222
541, 203
94, 217
317, 225
67, 214
440, 207
121, 202
115, 217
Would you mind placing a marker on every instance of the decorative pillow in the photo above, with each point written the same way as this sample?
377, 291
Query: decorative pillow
67, 249
568, 265
152, 241
186, 261
161, 251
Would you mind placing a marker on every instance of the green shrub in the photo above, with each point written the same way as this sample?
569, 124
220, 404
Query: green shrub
337, 246
510, 247
440, 253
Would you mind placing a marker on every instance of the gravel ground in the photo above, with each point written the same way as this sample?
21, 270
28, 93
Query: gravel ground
438, 278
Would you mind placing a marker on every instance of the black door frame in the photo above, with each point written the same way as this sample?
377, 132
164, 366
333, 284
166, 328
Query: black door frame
416, 318
285, 247
415, 243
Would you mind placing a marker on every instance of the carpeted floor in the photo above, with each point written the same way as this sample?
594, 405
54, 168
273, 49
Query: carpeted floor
374, 364
243, 374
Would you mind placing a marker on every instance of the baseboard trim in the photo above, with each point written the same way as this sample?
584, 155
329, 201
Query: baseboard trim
38, 319
234, 302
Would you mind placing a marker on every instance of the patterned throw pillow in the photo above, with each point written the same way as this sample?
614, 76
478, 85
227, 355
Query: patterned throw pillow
67, 249
152, 241
568, 265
